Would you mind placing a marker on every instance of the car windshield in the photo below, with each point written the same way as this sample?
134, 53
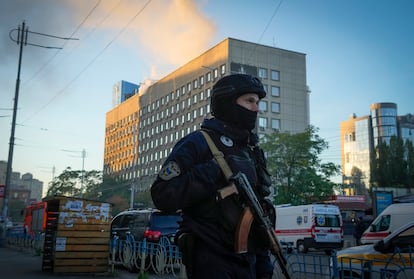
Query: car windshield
165, 221
381, 224
327, 220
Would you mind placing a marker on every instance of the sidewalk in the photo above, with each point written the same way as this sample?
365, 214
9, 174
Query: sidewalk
23, 265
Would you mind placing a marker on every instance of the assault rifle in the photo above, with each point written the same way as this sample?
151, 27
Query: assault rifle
241, 185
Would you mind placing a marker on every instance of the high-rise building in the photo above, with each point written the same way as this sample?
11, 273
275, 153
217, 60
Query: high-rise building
175, 105
384, 122
357, 147
123, 90
406, 127
361, 135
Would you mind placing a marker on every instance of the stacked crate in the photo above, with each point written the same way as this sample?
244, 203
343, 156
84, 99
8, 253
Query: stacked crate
77, 236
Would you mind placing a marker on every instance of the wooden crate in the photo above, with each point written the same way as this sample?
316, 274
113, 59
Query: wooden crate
79, 236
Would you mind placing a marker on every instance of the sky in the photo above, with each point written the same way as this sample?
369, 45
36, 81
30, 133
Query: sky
358, 52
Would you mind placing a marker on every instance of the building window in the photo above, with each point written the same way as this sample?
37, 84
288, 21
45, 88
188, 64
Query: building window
195, 83
223, 69
201, 81
263, 106
262, 73
262, 123
189, 87
275, 107
208, 76
215, 73
275, 91
275, 75
276, 124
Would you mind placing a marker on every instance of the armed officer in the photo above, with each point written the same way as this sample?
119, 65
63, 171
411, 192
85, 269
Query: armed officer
190, 179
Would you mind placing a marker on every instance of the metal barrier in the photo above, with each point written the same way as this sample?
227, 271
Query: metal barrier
162, 257
310, 266
17, 238
399, 264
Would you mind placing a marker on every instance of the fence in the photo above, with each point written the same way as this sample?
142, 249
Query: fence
162, 257
17, 237
399, 264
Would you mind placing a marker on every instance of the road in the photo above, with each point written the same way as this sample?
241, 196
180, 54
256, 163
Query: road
21, 264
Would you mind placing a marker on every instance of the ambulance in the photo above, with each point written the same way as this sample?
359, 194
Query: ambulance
390, 219
312, 226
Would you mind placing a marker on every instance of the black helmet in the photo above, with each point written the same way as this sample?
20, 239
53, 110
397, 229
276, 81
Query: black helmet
224, 95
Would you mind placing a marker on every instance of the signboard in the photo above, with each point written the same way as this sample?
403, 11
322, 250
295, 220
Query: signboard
60, 244
355, 198
381, 199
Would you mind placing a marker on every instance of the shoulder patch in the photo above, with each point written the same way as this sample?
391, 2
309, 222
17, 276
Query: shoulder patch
226, 141
169, 171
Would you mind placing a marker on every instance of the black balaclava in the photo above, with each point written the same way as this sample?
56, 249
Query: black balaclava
224, 95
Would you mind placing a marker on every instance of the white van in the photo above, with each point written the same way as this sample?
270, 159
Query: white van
390, 219
317, 226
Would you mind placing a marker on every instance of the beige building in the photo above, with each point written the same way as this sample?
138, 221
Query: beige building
356, 149
141, 131
359, 138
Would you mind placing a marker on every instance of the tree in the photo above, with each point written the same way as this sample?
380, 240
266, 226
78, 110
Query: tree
94, 187
65, 184
393, 164
298, 174
410, 164
398, 165
76, 183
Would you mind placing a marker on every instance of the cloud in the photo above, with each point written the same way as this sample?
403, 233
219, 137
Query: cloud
167, 31
162, 31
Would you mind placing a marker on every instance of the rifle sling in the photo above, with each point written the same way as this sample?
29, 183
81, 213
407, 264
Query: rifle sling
246, 219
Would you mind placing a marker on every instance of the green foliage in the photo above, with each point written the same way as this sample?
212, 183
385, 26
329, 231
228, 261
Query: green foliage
97, 187
410, 164
393, 164
298, 175
16, 209
66, 184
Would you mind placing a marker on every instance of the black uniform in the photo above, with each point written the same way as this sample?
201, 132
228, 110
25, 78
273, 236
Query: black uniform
189, 180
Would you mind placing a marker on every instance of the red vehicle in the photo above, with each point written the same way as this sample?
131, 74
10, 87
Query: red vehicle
35, 217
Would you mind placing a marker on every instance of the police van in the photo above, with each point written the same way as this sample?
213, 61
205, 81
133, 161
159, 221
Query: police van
390, 219
312, 226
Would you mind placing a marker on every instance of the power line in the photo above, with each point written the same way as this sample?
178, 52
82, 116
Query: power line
54, 56
270, 21
22, 34
90, 63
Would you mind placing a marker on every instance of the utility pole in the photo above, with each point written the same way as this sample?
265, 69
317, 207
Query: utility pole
22, 34
22, 40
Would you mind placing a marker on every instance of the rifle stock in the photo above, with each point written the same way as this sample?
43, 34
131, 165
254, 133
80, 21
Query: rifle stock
245, 189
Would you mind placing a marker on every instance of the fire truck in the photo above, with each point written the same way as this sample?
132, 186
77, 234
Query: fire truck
35, 217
